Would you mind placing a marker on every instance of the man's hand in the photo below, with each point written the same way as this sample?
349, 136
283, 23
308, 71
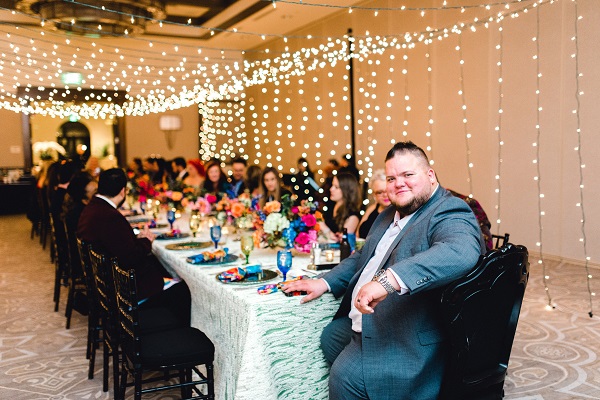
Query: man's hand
369, 296
314, 287
146, 233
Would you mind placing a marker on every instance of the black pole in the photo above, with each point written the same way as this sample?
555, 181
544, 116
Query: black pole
351, 90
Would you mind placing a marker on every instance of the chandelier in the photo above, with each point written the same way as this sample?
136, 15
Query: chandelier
93, 17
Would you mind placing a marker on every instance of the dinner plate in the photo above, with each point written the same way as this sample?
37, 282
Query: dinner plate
169, 236
188, 245
228, 259
265, 276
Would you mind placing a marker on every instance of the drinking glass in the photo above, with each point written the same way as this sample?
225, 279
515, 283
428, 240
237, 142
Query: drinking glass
247, 244
171, 217
215, 234
194, 223
284, 261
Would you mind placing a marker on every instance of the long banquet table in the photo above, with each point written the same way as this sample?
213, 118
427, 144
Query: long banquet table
267, 346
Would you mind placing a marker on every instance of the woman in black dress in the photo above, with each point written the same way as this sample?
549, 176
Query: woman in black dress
343, 211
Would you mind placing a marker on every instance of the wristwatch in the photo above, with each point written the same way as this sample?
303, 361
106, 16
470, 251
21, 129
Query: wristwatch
381, 277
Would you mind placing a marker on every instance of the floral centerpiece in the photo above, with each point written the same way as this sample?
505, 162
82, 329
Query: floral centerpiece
272, 223
236, 211
141, 189
304, 226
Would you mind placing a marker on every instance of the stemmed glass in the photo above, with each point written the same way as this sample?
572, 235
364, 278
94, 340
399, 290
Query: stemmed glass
247, 244
284, 261
215, 234
171, 217
194, 223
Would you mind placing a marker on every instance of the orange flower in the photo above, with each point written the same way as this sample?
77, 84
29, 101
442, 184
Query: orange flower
318, 215
176, 196
272, 206
184, 202
237, 209
317, 227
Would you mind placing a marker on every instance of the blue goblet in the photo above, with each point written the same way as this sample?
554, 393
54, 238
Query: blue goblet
171, 217
215, 234
284, 261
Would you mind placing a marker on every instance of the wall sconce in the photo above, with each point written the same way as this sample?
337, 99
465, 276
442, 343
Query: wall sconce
169, 124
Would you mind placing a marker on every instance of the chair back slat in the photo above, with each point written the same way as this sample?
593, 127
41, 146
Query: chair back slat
84, 248
127, 304
481, 311
500, 240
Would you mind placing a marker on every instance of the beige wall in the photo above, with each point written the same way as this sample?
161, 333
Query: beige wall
11, 142
516, 205
144, 136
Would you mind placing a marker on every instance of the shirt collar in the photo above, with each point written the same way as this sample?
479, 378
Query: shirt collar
109, 201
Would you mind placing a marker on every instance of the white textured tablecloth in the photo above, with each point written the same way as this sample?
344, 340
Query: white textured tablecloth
267, 346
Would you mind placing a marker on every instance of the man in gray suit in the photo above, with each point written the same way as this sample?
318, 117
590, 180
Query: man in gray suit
386, 340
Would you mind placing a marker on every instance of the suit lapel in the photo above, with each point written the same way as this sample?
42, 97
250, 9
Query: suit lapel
412, 222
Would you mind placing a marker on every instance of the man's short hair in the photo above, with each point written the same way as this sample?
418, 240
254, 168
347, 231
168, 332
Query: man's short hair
180, 161
407, 147
111, 182
239, 160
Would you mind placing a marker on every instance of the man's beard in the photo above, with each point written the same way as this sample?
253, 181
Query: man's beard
413, 205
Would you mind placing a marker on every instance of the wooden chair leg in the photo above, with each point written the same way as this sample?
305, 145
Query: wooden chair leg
106, 357
211, 381
116, 372
70, 298
57, 277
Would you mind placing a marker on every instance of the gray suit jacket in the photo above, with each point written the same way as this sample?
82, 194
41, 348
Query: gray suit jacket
403, 355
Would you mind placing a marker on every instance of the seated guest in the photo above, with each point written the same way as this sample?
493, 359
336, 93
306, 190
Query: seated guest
195, 174
154, 168
387, 340
238, 172
345, 211
92, 166
135, 169
179, 168
377, 185
66, 170
271, 187
216, 180
82, 188
253, 174
482, 218
304, 186
102, 225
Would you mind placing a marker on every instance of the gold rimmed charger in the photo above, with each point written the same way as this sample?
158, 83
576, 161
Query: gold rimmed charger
188, 245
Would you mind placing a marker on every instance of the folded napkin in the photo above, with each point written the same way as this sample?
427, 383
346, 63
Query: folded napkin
237, 274
208, 256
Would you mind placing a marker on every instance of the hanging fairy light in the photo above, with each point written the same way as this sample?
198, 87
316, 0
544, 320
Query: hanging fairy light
498, 129
467, 134
576, 112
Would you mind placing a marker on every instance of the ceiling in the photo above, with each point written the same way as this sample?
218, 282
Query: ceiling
236, 24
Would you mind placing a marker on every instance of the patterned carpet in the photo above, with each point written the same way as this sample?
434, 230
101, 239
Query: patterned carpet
554, 356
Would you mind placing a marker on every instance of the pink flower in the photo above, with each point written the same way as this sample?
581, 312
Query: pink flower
309, 220
295, 210
302, 238
211, 198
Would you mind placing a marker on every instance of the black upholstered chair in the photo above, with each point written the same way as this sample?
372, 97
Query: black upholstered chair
77, 286
60, 257
95, 328
481, 311
105, 292
500, 240
174, 352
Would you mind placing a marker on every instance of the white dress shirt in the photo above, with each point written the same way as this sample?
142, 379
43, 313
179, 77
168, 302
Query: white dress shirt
373, 265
